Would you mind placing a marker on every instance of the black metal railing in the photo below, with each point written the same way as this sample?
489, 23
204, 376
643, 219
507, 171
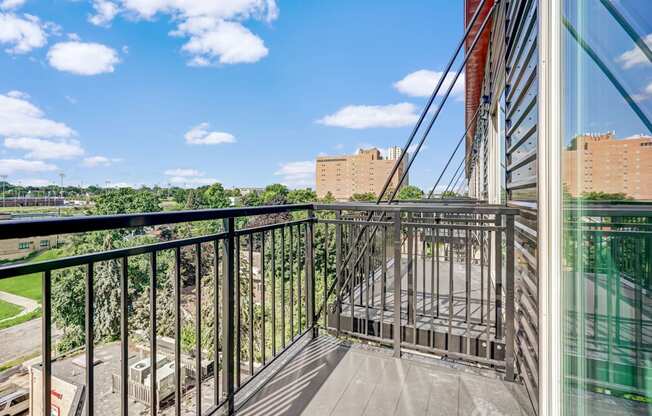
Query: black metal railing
261, 290
455, 294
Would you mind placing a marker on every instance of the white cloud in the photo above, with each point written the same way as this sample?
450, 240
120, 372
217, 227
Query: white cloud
297, 174
11, 4
20, 118
105, 11
18, 94
83, 58
200, 135
186, 181
422, 83
218, 41
45, 149
36, 182
214, 28
11, 166
183, 172
644, 95
97, 161
22, 34
367, 116
635, 56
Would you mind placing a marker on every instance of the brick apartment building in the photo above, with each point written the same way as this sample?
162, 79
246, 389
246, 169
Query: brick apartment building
365, 171
603, 163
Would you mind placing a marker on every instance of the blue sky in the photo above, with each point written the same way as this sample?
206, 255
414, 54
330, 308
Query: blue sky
246, 92
249, 92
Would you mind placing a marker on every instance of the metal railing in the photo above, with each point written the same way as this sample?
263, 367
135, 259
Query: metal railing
265, 288
455, 294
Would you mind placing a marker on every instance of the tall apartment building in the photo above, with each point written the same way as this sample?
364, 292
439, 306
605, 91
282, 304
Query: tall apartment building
603, 163
345, 175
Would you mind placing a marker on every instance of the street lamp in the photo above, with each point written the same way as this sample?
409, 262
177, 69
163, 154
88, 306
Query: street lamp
4, 181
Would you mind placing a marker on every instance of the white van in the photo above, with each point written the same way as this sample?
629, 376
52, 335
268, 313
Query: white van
14, 401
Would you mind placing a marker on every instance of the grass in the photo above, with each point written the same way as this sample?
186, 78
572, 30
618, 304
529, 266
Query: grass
13, 363
28, 285
20, 319
7, 310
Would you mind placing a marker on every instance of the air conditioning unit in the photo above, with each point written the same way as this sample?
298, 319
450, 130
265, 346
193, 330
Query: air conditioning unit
141, 369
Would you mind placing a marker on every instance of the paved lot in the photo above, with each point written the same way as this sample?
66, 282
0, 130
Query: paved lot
21, 340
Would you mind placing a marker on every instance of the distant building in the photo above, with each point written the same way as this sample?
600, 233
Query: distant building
365, 171
603, 163
18, 248
394, 152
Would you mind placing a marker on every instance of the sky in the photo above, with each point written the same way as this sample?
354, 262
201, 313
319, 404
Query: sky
244, 92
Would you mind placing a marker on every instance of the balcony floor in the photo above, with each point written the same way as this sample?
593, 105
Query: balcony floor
331, 377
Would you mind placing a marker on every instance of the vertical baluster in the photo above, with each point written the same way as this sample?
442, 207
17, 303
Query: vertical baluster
216, 312
410, 273
152, 335
366, 283
499, 277
481, 274
338, 271
238, 316
310, 274
273, 237
437, 267
415, 280
228, 294
423, 271
177, 332
198, 375
450, 286
263, 342
46, 341
467, 306
90, 365
291, 283
324, 307
397, 285
283, 287
383, 281
250, 304
299, 273
124, 336
432, 287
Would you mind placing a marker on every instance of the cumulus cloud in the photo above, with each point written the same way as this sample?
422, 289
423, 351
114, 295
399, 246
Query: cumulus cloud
422, 83
21, 34
367, 116
635, 56
11, 4
12, 166
297, 174
99, 161
218, 41
20, 118
200, 135
83, 58
45, 149
183, 172
105, 11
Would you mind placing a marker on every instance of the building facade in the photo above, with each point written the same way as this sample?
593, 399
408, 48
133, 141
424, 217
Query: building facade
601, 163
364, 172
546, 79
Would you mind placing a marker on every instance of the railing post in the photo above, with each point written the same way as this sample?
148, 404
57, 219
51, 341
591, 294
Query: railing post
509, 299
498, 274
310, 272
397, 284
338, 272
228, 330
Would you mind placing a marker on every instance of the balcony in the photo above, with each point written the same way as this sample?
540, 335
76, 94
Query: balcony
307, 309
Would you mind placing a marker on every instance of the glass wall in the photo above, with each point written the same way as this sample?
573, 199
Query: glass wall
607, 207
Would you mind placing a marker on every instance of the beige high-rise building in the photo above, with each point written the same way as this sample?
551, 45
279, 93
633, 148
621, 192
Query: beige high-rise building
603, 163
365, 171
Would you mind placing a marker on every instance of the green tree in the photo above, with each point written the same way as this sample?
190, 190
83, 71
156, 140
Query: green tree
274, 193
410, 192
125, 201
301, 196
216, 197
364, 197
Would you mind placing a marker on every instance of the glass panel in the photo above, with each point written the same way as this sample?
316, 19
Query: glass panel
607, 210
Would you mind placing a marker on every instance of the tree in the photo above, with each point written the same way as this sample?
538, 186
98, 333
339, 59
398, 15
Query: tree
604, 196
301, 196
126, 201
274, 193
448, 194
194, 200
410, 192
216, 197
328, 198
364, 197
